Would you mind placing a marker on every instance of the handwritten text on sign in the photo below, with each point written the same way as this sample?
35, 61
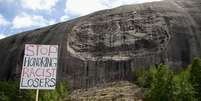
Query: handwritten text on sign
39, 67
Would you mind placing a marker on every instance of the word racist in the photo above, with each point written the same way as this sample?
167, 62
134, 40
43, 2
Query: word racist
38, 72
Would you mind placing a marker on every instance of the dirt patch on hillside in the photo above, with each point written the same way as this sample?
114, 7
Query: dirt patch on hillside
116, 91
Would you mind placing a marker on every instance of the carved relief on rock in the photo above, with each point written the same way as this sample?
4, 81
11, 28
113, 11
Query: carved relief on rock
119, 36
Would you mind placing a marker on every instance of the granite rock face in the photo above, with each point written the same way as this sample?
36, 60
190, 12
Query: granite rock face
108, 45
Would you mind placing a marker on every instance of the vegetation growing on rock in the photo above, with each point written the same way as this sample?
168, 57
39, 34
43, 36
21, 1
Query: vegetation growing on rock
9, 91
158, 83
162, 84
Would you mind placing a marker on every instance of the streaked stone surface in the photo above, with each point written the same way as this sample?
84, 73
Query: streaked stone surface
108, 45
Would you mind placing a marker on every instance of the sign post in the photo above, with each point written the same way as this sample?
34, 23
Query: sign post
37, 93
39, 67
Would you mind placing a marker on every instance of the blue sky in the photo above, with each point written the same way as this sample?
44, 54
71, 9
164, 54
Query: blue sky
23, 15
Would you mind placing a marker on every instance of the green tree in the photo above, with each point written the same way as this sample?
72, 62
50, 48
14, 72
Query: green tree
143, 77
140, 76
161, 87
195, 77
183, 89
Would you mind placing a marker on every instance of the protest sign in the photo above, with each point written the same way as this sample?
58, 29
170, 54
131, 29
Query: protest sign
39, 67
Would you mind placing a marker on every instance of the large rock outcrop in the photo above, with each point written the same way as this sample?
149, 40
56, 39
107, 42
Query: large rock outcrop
108, 45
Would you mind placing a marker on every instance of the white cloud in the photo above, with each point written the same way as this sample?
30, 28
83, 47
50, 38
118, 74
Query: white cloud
2, 36
39, 4
25, 21
64, 18
3, 21
83, 7
8, 1
116, 3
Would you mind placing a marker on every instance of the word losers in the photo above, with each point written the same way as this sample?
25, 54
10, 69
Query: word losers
38, 83
39, 67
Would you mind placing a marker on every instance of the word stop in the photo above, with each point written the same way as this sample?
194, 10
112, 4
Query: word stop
40, 50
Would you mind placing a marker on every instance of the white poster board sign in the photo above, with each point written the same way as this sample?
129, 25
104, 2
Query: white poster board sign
39, 67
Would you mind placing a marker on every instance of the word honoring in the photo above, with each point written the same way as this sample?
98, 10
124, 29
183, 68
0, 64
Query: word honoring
39, 67
40, 62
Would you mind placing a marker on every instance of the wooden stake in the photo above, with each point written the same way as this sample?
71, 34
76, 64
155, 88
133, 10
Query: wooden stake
37, 93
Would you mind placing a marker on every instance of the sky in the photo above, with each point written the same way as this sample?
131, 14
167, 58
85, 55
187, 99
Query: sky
22, 15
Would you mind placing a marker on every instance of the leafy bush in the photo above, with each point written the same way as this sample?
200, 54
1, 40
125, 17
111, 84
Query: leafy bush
9, 91
183, 90
61, 92
195, 76
143, 77
140, 76
163, 85
161, 88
